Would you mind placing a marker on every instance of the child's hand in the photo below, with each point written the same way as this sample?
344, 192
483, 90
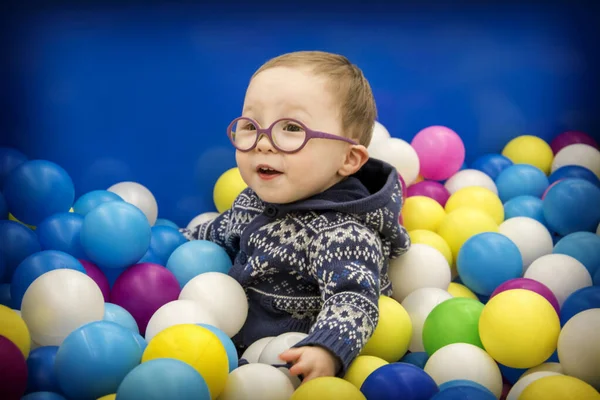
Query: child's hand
311, 362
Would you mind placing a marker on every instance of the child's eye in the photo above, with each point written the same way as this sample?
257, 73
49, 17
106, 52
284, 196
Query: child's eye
291, 127
249, 127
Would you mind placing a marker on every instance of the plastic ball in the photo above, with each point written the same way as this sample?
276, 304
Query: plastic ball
579, 348
521, 180
564, 202
41, 372
252, 352
525, 206
276, 346
491, 164
10, 158
165, 222
43, 396
419, 305
386, 382
393, 332
327, 388
519, 328
464, 392
138, 195
164, 240
529, 284
575, 154
222, 296
461, 224
98, 276
459, 290
431, 189
232, 356
93, 199
204, 217
257, 381
522, 383
418, 359
361, 368
430, 238
532, 150
163, 378
400, 154
580, 300
12, 218
470, 177
37, 189
559, 387
421, 266
61, 231
420, 212
14, 329
574, 171
441, 152
3, 207
582, 246
452, 321
13, 370
120, 316
17, 242
547, 366
196, 257
531, 237
479, 198
227, 188
93, 360
379, 133
571, 137
562, 274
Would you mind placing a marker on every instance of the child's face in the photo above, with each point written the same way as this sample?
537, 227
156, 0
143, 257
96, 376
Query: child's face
295, 93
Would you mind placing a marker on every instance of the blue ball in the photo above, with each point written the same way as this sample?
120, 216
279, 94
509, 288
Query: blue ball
574, 171
487, 260
43, 396
491, 164
163, 378
140, 341
112, 274
17, 242
387, 381
232, 355
463, 383
5, 294
525, 206
165, 222
521, 180
464, 392
61, 232
115, 234
93, 199
37, 189
196, 257
41, 376
578, 301
418, 358
165, 239
572, 205
151, 257
10, 158
93, 360
596, 278
119, 315
582, 246
3, 207
35, 266
511, 374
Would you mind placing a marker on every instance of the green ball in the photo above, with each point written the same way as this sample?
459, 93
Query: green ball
452, 321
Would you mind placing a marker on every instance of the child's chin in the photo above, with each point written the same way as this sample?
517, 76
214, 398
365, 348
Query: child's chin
275, 197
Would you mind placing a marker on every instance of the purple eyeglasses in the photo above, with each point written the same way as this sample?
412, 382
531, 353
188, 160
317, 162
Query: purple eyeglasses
287, 135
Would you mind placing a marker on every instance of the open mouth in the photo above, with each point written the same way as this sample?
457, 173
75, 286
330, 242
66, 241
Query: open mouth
267, 172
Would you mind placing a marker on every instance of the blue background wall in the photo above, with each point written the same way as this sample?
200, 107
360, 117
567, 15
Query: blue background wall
144, 92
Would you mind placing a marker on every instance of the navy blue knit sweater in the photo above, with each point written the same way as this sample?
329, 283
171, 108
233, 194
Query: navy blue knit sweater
317, 265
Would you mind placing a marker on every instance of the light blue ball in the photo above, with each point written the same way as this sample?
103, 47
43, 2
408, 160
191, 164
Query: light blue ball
165, 222
43, 396
572, 205
196, 257
164, 240
525, 206
93, 199
232, 356
582, 246
119, 315
521, 180
418, 358
61, 231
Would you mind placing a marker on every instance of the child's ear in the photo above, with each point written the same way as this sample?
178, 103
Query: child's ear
355, 159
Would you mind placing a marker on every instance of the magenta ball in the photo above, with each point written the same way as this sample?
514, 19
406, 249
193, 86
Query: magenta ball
529, 284
97, 276
144, 288
441, 152
432, 189
13, 370
571, 137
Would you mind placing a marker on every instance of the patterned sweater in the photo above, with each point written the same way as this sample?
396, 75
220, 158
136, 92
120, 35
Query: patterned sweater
318, 265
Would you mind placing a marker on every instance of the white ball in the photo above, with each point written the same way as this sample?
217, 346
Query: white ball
579, 347
400, 154
531, 237
58, 302
523, 382
421, 266
465, 361
281, 343
548, 366
204, 217
562, 274
252, 353
578, 154
138, 195
380, 134
418, 305
257, 381
178, 312
467, 178
222, 296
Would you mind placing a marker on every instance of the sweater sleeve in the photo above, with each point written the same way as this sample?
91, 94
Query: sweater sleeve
346, 261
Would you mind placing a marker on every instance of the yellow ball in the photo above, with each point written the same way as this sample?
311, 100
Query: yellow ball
12, 218
434, 240
519, 328
559, 387
361, 368
421, 212
477, 197
532, 150
327, 388
108, 397
419, 179
459, 290
14, 329
392, 335
196, 346
229, 185
463, 223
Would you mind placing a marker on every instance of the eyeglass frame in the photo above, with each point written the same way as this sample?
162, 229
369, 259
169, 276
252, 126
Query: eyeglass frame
309, 134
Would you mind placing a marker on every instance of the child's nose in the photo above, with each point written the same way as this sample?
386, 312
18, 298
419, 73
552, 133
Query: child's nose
264, 144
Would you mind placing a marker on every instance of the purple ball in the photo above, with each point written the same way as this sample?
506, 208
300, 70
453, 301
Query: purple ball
529, 284
571, 137
432, 189
13, 370
97, 276
144, 288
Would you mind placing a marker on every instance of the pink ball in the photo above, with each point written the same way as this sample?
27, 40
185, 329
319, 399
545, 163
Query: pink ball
432, 189
97, 276
144, 288
529, 284
441, 152
571, 137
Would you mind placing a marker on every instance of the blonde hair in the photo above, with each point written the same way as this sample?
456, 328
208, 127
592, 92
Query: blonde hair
348, 85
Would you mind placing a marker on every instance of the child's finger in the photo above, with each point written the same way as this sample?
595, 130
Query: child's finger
300, 368
291, 355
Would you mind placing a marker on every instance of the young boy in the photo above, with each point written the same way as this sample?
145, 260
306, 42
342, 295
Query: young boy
311, 236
